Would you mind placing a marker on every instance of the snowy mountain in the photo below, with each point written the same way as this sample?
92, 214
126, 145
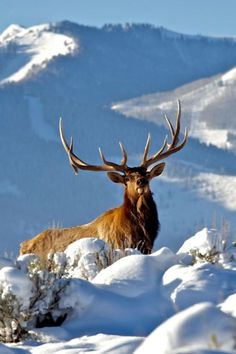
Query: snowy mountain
78, 73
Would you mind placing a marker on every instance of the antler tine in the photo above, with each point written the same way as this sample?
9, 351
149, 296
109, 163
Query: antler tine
106, 162
177, 130
124, 158
162, 148
146, 150
168, 149
69, 149
122, 167
170, 126
152, 159
77, 163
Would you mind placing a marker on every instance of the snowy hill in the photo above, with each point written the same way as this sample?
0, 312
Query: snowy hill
78, 72
180, 302
209, 108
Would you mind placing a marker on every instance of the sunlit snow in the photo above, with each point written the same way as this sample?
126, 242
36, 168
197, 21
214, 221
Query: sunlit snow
37, 46
168, 302
200, 101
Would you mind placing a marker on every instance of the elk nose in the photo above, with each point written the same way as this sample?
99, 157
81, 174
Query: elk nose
141, 182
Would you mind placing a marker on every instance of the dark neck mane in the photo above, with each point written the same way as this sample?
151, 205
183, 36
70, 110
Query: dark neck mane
144, 222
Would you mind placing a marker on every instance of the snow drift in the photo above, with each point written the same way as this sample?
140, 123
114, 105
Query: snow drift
165, 302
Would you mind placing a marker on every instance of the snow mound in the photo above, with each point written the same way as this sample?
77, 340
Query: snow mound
15, 282
86, 257
200, 326
32, 49
228, 305
128, 276
177, 303
205, 241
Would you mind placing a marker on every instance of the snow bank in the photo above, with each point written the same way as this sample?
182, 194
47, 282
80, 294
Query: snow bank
199, 327
86, 257
228, 305
163, 302
129, 276
204, 241
94, 344
15, 282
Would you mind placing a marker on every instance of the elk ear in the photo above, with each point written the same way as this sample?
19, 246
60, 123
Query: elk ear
116, 177
156, 170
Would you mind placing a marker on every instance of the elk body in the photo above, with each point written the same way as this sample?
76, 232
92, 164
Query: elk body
133, 224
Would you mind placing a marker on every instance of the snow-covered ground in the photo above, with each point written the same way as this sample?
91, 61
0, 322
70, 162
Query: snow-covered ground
166, 302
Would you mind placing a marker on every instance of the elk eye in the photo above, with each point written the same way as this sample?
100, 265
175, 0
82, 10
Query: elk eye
126, 179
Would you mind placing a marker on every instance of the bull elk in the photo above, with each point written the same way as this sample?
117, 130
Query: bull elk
133, 224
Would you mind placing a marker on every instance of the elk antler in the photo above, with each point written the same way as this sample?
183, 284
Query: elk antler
78, 164
166, 149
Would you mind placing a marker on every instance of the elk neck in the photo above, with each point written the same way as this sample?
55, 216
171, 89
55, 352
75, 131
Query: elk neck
142, 213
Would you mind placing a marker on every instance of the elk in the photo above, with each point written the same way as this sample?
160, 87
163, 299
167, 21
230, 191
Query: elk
133, 224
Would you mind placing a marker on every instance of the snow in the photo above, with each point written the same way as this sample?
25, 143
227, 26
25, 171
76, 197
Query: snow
229, 76
201, 198
204, 241
127, 276
86, 257
199, 327
39, 125
228, 305
10, 32
218, 187
14, 281
116, 309
207, 106
38, 45
217, 137
148, 109
93, 344
141, 302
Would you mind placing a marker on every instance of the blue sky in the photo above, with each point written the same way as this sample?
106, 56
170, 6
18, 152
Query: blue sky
208, 17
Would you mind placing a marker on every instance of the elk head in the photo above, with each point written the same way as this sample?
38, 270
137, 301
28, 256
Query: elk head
135, 179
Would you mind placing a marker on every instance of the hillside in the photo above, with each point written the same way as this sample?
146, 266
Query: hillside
209, 108
78, 72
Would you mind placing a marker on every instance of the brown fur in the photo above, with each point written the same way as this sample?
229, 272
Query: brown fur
133, 224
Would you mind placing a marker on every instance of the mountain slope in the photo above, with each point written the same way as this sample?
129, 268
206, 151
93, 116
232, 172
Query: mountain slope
80, 81
209, 108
